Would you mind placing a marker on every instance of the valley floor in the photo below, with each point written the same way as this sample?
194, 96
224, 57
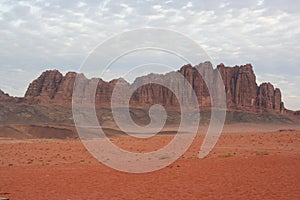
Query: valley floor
252, 165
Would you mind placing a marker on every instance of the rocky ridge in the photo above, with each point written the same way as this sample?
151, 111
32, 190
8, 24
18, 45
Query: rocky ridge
241, 89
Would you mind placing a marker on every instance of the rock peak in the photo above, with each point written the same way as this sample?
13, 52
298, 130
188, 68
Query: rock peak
241, 88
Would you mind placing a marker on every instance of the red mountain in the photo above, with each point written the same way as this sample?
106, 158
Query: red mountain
241, 89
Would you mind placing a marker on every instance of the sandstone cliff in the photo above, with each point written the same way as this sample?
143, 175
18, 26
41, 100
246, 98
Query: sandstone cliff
241, 89
6, 98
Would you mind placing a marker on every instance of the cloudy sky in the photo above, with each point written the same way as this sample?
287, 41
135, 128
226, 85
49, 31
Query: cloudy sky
39, 35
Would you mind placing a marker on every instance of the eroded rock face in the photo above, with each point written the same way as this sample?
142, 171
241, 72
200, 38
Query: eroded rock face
5, 97
241, 89
45, 87
268, 98
65, 88
51, 88
240, 86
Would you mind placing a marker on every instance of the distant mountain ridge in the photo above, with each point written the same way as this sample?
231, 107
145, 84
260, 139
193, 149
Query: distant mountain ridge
242, 91
45, 110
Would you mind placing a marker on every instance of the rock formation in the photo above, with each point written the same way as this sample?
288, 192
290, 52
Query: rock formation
6, 98
241, 89
269, 98
46, 85
243, 93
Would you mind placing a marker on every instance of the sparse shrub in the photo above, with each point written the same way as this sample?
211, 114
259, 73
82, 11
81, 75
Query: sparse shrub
226, 155
262, 153
165, 156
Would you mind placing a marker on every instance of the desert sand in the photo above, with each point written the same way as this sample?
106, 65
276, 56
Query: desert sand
243, 165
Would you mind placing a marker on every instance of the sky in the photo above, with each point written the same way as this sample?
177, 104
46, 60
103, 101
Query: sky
39, 35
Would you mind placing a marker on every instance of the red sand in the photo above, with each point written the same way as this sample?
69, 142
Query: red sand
242, 166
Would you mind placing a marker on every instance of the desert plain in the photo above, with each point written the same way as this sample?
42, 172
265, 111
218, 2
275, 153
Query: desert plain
249, 162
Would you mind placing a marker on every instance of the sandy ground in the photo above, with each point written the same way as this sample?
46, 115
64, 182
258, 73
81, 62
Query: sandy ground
252, 165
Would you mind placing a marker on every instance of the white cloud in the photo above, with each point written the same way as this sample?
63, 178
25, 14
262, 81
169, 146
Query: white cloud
157, 7
260, 2
127, 8
81, 4
188, 5
36, 35
225, 4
